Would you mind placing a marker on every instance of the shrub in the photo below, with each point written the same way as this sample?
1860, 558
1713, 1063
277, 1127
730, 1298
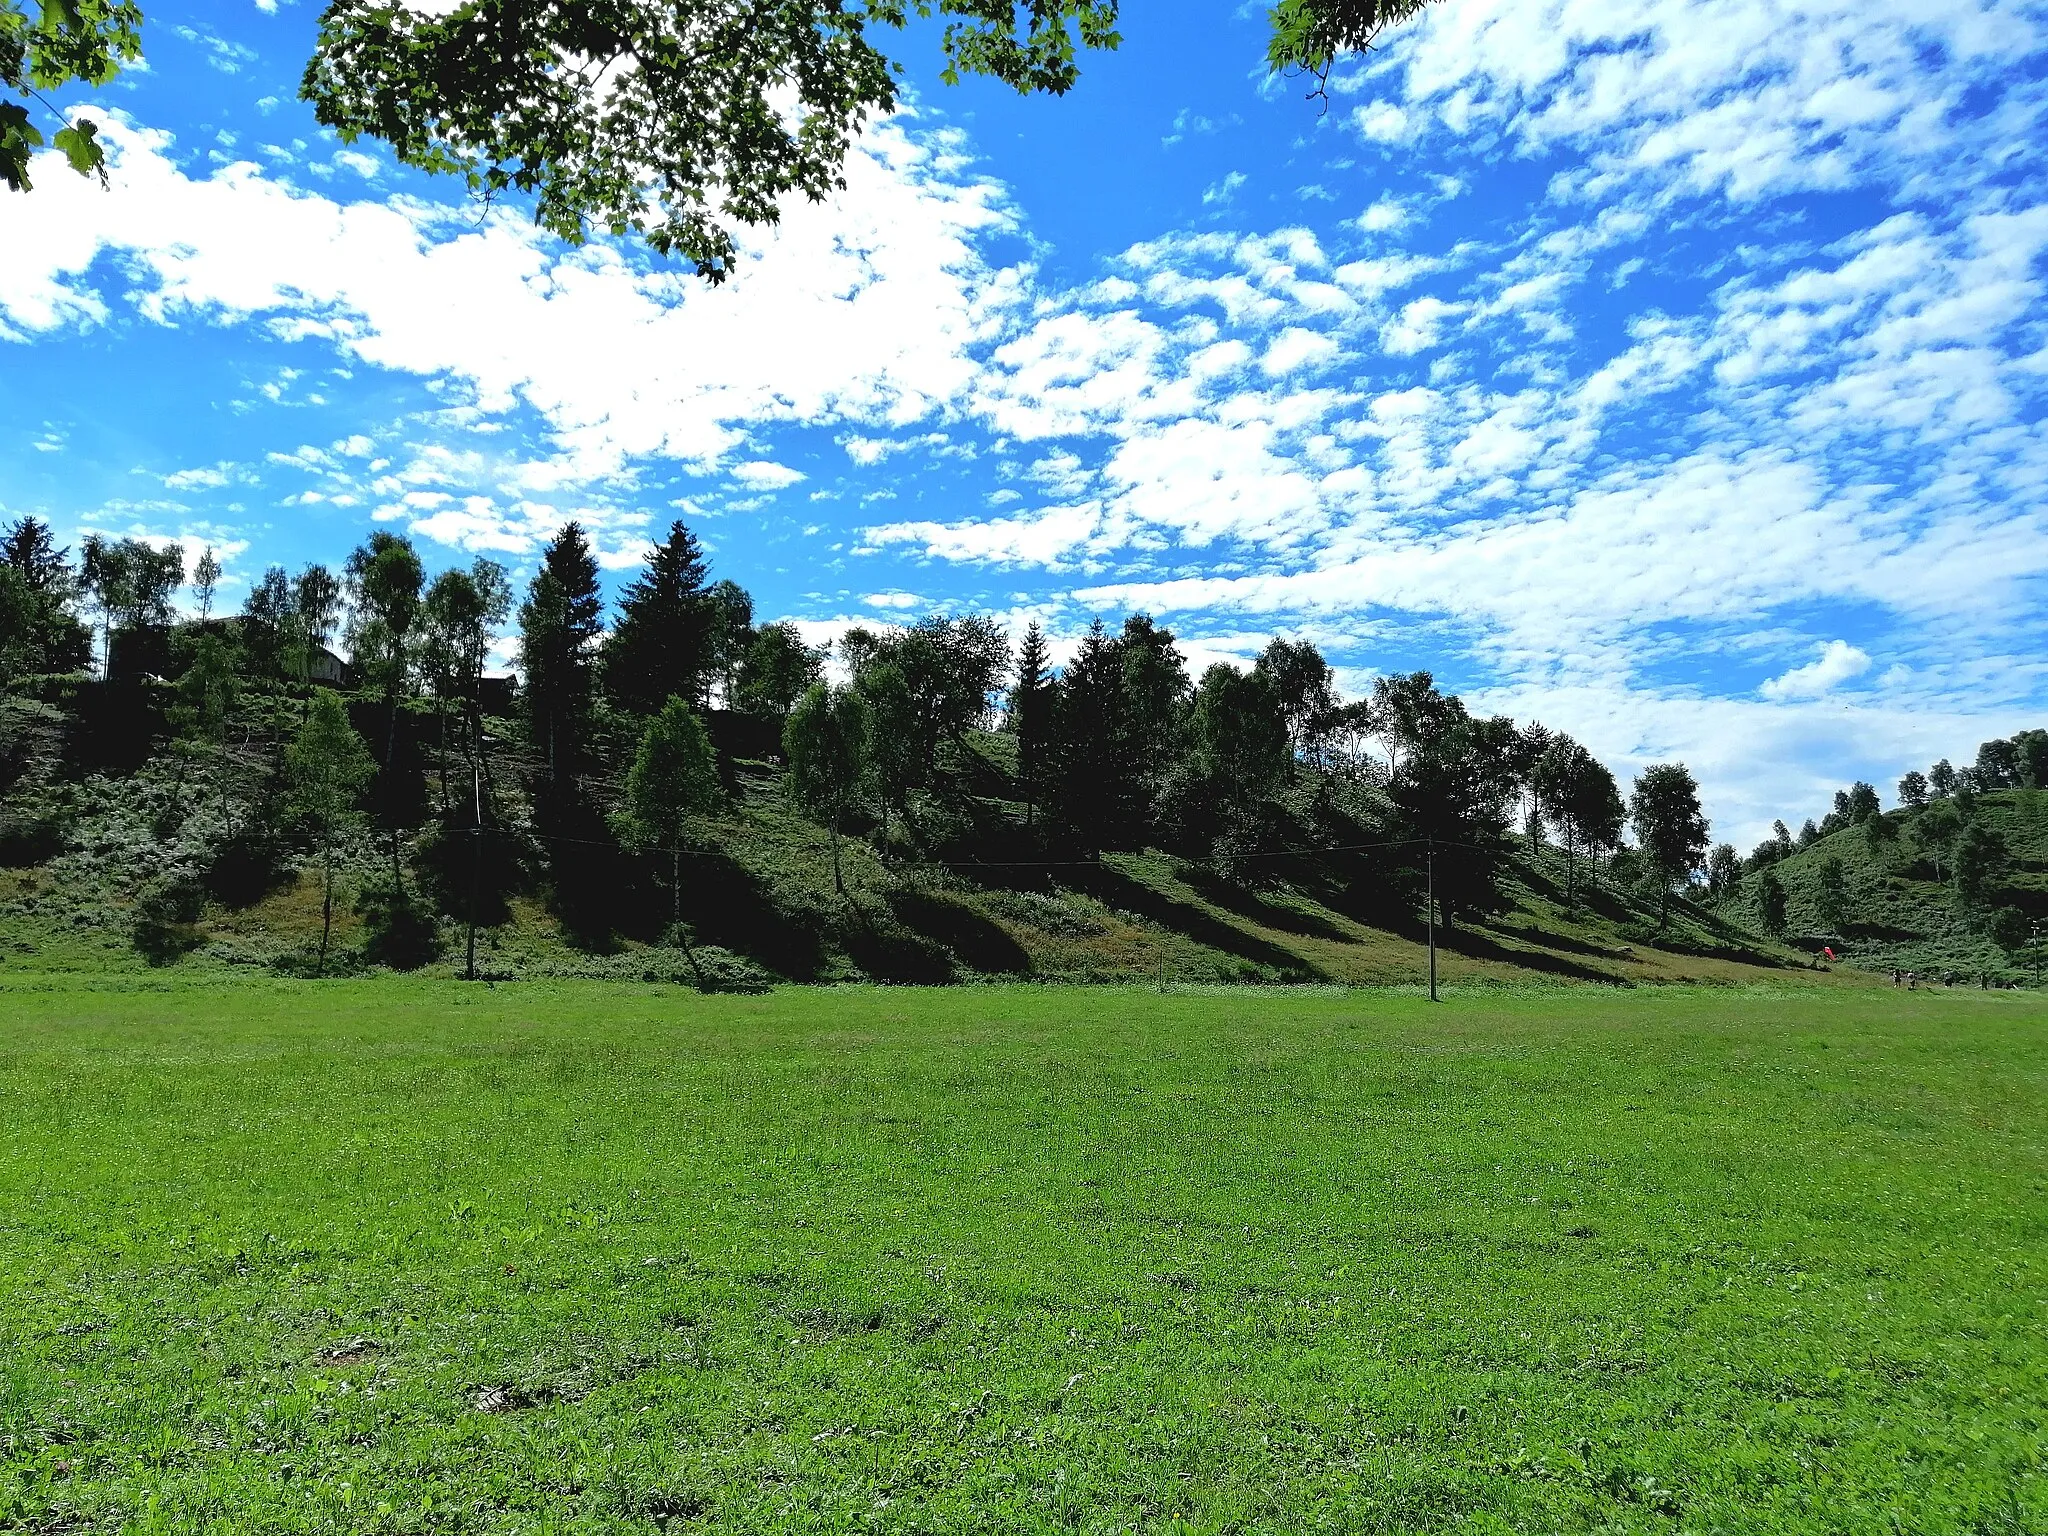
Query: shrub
248, 864
399, 927
2010, 929
167, 915
33, 833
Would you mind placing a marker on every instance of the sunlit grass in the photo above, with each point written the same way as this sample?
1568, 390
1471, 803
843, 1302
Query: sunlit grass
391, 1256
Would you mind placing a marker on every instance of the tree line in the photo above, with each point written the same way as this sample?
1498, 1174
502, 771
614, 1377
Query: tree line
1935, 831
623, 726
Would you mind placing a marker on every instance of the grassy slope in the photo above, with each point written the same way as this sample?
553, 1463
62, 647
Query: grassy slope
1019, 1259
1900, 915
761, 886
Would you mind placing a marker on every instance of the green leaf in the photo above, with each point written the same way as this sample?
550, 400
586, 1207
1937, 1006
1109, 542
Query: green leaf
19, 138
81, 146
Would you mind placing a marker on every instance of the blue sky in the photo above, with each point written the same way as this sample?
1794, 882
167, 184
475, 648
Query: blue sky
1672, 373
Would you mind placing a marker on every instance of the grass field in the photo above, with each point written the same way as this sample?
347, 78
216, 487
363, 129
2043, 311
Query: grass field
405, 1256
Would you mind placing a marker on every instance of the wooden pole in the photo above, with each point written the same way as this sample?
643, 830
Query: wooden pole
1432, 924
476, 839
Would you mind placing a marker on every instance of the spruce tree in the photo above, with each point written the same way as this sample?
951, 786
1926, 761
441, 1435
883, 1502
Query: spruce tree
559, 624
662, 645
46, 636
1029, 716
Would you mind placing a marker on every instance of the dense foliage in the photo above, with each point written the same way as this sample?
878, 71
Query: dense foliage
674, 122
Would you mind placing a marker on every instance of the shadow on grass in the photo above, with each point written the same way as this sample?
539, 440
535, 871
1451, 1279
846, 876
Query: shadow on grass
1217, 891
981, 943
1115, 889
1476, 945
728, 905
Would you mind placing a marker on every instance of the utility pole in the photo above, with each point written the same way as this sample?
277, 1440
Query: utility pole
476, 840
1432, 922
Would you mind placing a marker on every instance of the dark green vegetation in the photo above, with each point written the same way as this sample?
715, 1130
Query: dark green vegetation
412, 1256
1954, 882
674, 122
670, 790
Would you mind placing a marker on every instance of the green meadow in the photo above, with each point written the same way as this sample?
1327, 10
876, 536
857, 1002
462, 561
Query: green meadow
413, 1256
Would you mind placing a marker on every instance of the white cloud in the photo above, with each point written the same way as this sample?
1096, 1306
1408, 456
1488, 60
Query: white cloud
863, 309
1295, 349
1226, 189
763, 475
1383, 215
1418, 326
1383, 122
205, 478
1837, 663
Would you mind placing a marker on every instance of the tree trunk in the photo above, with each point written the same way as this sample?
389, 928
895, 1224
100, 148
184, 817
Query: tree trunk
675, 889
838, 882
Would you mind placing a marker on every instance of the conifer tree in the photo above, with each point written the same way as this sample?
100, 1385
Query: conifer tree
44, 635
1029, 716
662, 645
559, 626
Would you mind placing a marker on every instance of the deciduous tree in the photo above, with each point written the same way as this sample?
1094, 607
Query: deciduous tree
1664, 808
677, 121
327, 769
777, 670
673, 778
86, 41
1771, 903
383, 579
826, 743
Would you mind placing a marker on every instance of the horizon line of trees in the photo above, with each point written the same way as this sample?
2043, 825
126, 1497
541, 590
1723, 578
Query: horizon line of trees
1121, 748
1934, 830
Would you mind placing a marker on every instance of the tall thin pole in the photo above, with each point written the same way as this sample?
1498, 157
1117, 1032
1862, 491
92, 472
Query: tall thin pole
476, 839
1432, 923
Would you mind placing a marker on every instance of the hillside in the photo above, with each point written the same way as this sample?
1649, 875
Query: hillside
1903, 911
98, 860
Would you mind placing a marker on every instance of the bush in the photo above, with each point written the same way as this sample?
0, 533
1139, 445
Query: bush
32, 834
167, 915
248, 865
2010, 929
399, 927
725, 971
